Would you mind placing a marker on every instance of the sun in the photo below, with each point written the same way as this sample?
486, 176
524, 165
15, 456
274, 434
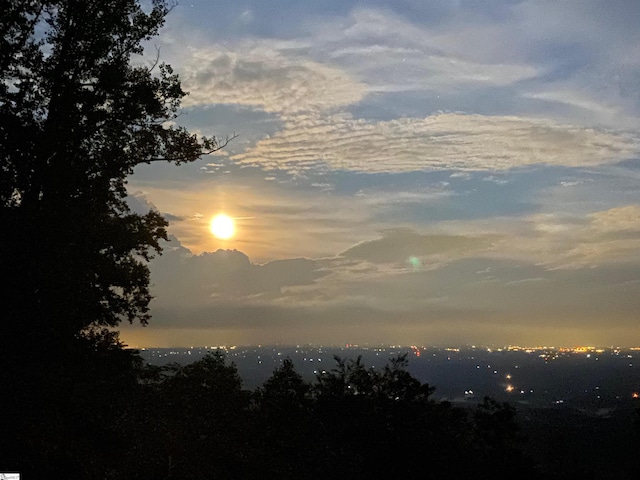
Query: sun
222, 226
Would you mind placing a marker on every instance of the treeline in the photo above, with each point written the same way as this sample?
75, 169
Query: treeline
100, 420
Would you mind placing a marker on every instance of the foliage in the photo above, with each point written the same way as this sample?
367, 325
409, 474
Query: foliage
288, 440
79, 110
350, 423
385, 423
77, 114
200, 419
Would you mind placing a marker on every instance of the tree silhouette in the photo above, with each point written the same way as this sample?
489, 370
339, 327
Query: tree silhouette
384, 423
205, 413
79, 109
290, 441
77, 116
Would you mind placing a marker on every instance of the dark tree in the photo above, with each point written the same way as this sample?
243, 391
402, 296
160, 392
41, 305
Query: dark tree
76, 116
384, 424
79, 109
205, 413
290, 440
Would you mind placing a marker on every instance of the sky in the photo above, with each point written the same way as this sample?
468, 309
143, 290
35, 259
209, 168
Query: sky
405, 172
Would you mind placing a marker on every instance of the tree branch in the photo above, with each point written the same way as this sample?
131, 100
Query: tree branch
219, 146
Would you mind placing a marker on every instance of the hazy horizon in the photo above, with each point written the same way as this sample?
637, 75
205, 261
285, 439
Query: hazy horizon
492, 346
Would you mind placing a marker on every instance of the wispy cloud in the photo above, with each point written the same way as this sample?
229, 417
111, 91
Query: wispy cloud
440, 142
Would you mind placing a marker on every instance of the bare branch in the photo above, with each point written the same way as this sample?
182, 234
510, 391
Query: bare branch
156, 61
220, 146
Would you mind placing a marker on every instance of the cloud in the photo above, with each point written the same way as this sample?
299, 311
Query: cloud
182, 278
325, 301
313, 82
407, 247
139, 203
394, 53
263, 76
572, 241
618, 219
440, 142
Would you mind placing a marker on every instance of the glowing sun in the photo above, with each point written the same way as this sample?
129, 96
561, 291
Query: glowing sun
222, 226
